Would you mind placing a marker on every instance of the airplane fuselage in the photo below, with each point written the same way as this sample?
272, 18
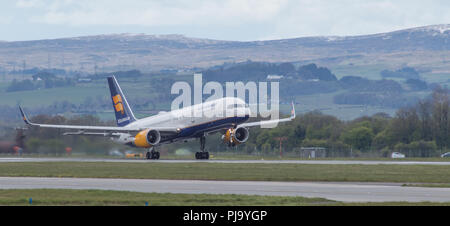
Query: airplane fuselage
197, 120
228, 115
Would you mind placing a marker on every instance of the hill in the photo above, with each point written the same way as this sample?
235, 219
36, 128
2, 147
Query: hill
424, 48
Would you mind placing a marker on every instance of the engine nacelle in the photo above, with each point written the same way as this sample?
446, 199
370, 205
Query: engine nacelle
236, 136
147, 138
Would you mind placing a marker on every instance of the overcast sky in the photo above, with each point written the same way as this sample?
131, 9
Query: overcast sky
216, 19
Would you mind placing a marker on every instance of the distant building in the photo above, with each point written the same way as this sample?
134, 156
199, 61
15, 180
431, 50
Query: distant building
84, 80
312, 152
274, 77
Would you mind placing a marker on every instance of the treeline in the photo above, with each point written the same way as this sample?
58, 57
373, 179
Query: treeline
421, 130
385, 92
387, 99
258, 71
48, 79
117, 74
41, 80
35, 70
311, 79
405, 72
297, 80
302, 80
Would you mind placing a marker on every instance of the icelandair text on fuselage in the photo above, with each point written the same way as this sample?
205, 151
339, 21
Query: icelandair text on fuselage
232, 216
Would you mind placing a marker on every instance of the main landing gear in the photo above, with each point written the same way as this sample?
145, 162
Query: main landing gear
203, 154
152, 154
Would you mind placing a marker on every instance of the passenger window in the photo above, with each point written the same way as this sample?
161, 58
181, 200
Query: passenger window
235, 106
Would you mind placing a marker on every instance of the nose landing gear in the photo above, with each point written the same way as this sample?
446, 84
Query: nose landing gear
202, 154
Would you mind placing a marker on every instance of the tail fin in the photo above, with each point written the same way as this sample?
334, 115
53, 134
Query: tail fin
24, 116
124, 115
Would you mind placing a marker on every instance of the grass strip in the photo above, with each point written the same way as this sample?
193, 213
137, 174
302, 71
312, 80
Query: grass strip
68, 197
233, 171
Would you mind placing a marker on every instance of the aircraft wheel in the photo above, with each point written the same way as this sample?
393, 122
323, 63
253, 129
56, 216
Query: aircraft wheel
152, 155
202, 155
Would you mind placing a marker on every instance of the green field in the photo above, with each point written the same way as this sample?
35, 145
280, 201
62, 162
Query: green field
100, 197
74, 94
366, 71
77, 94
45, 97
373, 72
67, 197
232, 171
3, 86
135, 89
324, 103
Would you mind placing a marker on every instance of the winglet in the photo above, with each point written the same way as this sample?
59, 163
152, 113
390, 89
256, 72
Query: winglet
24, 117
293, 111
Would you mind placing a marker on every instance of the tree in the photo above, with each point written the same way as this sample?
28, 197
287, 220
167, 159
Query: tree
424, 110
417, 148
382, 140
266, 148
311, 71
441, 114
359, 138
405, 125
299, 133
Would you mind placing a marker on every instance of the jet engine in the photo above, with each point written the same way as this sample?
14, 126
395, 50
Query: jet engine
147, 138
237, 136
123, 138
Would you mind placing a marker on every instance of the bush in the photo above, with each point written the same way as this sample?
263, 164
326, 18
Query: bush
359, 138
406, 72
418, 148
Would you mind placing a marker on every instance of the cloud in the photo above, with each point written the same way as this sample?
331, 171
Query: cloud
6, 19
353, 17
159, 13
235, 19
28, 3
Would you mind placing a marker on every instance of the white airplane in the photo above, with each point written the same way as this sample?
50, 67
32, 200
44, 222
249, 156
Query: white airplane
227, 115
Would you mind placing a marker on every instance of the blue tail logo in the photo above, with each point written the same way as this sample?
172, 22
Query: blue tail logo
124, 115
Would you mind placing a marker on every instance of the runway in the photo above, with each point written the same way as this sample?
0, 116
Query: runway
328, 162
346, 192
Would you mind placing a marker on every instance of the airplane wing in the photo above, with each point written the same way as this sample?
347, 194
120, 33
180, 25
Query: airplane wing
270, 122
83, 130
